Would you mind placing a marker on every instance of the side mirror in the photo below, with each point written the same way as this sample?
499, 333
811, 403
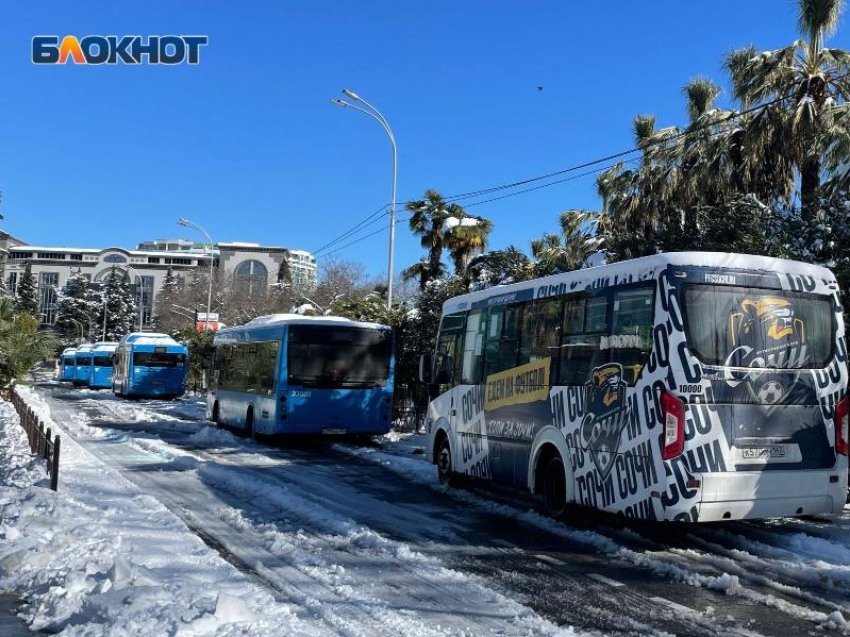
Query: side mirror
426, 369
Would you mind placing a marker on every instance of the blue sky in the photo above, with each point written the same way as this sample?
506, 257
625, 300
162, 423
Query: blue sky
248, 145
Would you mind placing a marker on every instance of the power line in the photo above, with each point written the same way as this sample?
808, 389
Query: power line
364, 237
721, 127
353, 230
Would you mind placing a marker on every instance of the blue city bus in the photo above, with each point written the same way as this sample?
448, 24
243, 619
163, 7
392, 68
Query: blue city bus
68, 364
289, 374
100, 373
82, 365
148, 365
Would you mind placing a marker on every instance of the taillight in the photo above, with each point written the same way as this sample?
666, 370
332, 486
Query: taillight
673, 412
842, 425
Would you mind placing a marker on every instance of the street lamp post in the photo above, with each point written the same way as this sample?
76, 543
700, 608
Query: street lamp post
375, 114
80, 325
188, 224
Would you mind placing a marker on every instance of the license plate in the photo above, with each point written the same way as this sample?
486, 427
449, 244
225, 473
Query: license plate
335, 431
761, 453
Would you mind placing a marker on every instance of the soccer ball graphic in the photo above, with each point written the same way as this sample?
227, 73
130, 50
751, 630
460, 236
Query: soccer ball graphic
771, 392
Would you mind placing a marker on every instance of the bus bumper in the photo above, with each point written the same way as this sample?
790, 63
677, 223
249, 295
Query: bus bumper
771, 494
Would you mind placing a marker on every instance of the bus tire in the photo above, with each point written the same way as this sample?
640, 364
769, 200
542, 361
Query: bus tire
216, 416
554, 490
445, 467
249, 423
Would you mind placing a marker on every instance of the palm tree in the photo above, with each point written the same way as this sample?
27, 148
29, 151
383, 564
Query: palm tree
500, 266
569, 250
440, 225
811, 81
22, 344
465, 235
422, 272
426, 222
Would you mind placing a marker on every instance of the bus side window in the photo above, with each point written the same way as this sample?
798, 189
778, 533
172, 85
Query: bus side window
449, 353
585, 324
540, 336
473, 348
509, 340
630, 339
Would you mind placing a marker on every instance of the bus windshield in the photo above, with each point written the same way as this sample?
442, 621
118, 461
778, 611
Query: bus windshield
330, 356
158, 359
83, 361
103, 361
69, 362
748, 327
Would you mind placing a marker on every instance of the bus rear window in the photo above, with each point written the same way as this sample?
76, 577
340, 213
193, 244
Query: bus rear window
748, 327
323, 356
156, 359
69, 362
103, 361
83, 361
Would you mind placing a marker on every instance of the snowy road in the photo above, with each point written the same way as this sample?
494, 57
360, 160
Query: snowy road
364, 541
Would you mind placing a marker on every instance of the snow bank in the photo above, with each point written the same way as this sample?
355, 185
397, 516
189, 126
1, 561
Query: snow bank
99, 557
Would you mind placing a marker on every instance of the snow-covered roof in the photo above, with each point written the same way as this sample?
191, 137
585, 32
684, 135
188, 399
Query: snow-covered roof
87, 347
240, 244
645, 264
147, 338
69, 350
273, 320
105, 347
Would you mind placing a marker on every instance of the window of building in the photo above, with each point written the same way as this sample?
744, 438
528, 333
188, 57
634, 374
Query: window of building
153, 259
48, 281
144, 299
12, 283
114, 258
18, 254
52, 256
251, 277
75, 257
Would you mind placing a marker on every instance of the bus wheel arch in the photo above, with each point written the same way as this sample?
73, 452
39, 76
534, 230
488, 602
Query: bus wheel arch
548, 445
249, 421
443, 457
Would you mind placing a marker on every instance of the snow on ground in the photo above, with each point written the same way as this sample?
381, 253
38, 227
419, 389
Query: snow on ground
404, 454
100, 557
104, 556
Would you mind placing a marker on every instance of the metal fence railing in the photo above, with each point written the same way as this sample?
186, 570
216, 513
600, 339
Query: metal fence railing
40, 439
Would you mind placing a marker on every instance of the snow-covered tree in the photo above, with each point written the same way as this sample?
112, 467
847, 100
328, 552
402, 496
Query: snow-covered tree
117, 306
73, 305
166, 317
27, 294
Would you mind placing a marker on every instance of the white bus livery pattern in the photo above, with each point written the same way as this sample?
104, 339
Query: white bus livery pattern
613, 431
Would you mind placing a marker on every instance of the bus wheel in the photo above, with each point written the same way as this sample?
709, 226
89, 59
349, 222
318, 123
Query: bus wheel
555, 488
249, 423
445, 470
215, 415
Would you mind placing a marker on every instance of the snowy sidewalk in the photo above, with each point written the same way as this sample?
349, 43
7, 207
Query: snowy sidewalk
102, 554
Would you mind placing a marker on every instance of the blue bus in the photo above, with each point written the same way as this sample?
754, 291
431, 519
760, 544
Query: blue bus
291, 374
148, 365
82, 365
100, 372
68, 364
